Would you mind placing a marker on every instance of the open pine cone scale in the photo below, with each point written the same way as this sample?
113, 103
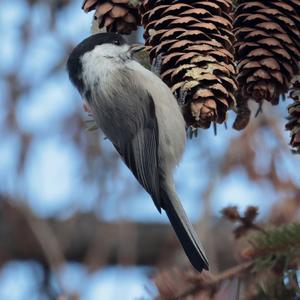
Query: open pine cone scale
195, 43
114, 15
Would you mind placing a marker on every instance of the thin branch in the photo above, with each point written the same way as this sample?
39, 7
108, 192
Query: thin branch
228, 274
48, 242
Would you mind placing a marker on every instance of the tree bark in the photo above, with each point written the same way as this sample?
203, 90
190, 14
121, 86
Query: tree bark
84, 238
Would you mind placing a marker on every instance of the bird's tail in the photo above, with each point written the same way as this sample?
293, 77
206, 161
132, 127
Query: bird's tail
184, 230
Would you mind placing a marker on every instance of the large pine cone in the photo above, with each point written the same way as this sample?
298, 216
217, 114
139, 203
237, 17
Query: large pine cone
294, 115
267, 48
193, 42
114, 15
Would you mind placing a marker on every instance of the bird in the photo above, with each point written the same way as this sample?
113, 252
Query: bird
141, 117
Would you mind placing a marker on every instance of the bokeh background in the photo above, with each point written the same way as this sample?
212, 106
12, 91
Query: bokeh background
73, 220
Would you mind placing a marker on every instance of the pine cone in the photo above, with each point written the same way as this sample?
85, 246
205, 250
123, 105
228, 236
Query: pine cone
294, 115
267, 47
194, 44
115, 15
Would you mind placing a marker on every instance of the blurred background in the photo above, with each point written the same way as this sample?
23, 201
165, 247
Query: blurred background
73, 220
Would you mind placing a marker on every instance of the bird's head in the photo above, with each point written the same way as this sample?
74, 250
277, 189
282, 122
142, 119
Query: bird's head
109, 45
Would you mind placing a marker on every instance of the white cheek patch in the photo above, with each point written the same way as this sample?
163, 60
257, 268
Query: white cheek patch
97, 64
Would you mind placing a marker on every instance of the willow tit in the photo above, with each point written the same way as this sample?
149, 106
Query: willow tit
141, 117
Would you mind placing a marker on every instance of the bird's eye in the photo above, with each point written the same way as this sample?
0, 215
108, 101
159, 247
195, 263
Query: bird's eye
116, 42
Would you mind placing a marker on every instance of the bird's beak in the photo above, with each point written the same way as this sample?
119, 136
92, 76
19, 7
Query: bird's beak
135, 48
140, 53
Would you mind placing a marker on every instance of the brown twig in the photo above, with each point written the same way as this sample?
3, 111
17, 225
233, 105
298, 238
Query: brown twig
48, 242
228, 274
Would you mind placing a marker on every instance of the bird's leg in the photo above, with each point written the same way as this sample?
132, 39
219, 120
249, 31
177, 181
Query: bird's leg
156, 65
86, 106
90, 124
182, 97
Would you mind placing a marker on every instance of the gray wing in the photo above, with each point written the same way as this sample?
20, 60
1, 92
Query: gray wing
128, 119
140, 153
